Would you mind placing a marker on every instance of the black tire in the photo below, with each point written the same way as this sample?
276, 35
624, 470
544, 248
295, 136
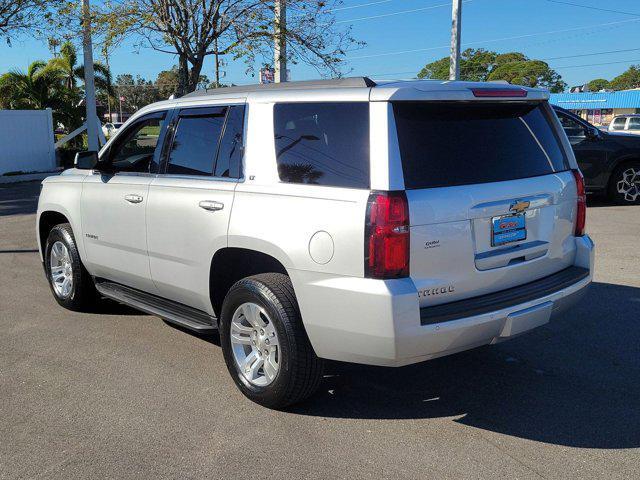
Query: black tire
82, 295
621, 174
300, 370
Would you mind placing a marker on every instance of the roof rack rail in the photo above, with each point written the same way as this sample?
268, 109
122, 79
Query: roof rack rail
349, 82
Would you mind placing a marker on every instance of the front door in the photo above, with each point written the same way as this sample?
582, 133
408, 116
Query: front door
190, 202
114, 205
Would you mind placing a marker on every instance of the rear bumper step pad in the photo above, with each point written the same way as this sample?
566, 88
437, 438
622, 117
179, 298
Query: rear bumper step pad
506, 298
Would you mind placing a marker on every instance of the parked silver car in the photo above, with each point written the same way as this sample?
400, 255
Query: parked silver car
377, 223
626, 124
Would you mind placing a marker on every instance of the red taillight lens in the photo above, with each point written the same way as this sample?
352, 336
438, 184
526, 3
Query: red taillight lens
498, 92
581, 216
387, 236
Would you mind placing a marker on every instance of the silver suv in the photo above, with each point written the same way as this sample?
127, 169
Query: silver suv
377, 223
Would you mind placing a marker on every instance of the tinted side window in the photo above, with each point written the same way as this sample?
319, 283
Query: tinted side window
573, 129
134, 150
634, 123
195, 142
618, 123
230, 152
445, 144
323, 143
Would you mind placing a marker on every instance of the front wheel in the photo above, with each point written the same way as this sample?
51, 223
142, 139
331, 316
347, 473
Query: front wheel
70, 282
265, 346
624, 187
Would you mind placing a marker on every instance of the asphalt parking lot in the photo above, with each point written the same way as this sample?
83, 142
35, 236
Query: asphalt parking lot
119, 394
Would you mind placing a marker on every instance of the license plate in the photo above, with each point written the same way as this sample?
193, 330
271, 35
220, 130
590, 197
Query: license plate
508, 229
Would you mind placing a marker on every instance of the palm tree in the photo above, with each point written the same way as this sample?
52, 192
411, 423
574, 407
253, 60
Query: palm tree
67, 62
40, 87
37, 88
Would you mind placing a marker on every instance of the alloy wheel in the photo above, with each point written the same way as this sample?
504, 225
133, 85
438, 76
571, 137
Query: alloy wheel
61, 270
629, 186
255, 345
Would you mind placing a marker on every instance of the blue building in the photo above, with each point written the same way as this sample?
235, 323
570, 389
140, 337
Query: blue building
599, 107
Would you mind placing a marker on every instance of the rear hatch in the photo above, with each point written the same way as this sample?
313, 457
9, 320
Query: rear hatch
491, 196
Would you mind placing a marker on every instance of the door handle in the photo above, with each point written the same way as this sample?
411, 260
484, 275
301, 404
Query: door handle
211, 205
133, 198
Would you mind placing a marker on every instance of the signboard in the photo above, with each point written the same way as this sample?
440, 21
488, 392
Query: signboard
267, 75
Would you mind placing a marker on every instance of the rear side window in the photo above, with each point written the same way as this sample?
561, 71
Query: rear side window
195, 143
323, 143
634, 123
230, 152
446, 144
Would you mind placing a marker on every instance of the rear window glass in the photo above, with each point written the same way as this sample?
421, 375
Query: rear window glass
446, 144
323, 143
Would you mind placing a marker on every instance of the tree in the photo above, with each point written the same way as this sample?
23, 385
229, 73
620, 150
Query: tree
483, 65
195, 29
475, 65
627, 80
40, 87
136, 91
530, 73
67, 60
167, 82
20, 16
598, 84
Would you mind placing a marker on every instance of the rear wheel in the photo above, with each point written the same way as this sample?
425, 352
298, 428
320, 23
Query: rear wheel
70, 282
264, 343
624, 187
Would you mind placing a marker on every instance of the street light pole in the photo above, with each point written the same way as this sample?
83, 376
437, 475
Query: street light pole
280, 48
456, 31
89, 84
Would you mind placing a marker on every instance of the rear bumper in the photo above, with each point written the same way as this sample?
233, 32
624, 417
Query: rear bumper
380, 323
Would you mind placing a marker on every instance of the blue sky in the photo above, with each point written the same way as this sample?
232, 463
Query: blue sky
399, 45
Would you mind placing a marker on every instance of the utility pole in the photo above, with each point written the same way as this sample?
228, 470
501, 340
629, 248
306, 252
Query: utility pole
89, 84
456, 32
280, 49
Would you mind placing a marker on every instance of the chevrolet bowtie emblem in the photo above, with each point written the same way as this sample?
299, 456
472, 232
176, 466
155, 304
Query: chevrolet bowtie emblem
519, 206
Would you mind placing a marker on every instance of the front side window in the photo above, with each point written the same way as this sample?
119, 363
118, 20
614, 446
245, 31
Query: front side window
619, 123
574, 130
195, 142
135, 148
323, 143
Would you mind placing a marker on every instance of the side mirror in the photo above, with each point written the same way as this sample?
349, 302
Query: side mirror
593, 133
86, 160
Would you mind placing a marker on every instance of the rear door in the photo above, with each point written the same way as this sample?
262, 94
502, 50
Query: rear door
190, 202
491, 196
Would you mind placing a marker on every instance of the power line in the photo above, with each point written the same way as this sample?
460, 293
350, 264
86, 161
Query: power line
372, 17
493, 40
360, 5
594, 8
599, 64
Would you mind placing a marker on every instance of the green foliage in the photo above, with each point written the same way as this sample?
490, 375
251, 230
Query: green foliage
483, 65
627, 80
598, 84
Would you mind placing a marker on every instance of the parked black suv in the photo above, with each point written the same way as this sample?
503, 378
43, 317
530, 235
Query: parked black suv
610, 161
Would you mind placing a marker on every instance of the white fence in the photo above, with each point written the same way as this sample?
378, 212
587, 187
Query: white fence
26, 141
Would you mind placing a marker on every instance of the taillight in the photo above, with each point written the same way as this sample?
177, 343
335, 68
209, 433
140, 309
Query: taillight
387, 235
581, 216
499, 92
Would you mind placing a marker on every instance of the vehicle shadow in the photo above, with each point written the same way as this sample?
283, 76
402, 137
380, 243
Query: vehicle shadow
573, 382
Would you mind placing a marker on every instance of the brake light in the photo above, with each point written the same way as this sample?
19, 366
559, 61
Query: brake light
581, 216
499, 92
387, 235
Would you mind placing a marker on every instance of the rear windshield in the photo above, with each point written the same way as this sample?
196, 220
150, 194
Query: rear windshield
446, 144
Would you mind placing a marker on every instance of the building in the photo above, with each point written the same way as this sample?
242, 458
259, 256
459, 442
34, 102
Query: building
599, 107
